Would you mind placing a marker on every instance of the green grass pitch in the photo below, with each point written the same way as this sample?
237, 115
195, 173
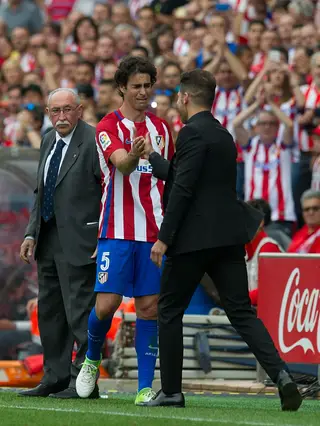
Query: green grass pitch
119, 410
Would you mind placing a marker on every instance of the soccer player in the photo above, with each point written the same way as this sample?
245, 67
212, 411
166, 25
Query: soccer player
131, 214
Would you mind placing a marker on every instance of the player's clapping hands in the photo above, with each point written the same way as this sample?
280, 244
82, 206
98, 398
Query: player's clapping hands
138, 145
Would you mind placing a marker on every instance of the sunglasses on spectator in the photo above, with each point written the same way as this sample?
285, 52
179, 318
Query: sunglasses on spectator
314, 209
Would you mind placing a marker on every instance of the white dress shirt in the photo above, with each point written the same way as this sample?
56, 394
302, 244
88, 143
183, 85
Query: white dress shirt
66, 140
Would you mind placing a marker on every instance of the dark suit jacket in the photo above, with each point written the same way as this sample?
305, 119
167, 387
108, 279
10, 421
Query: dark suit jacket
77, 195
201, 206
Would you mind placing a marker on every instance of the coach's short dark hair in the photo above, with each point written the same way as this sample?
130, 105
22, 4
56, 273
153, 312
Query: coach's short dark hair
132, 65
201, 85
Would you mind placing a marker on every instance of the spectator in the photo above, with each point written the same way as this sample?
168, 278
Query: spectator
301, 65
120, 14
307, 239
11, 123
140, 51
125, 38
85, 73
5, 49
108, 98
162, 105
33, 95
109, 70
101, 12
146, 22
31, 120
70, 62
88, 50
315, 184
269, 227
267, 159
106, 49
170, 80
84, 29
261, 243
86, 95
309, 38
4, 141
22, 13
20, 38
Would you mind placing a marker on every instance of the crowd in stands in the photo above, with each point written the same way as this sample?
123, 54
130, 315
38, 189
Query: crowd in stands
264, 55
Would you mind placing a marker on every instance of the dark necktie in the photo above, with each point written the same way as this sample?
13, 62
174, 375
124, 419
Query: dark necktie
47, 205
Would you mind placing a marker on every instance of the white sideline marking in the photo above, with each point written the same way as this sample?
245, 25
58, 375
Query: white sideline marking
139, 415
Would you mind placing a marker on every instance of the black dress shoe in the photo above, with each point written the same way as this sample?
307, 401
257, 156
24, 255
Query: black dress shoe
163, 400
71, 393
42, 390
288, 391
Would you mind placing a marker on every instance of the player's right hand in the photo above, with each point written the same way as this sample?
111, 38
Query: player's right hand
137, 147
148, 148
26, 250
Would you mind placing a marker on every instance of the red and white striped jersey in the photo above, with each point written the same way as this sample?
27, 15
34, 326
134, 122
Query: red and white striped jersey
180, 47
315, 184
131, 206
226, 106
312, 99
268, 176
28, 62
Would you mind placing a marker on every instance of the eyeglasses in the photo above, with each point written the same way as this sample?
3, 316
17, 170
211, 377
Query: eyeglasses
314, 209
65, 110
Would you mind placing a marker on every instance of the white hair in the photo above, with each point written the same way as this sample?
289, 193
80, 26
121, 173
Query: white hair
309, 194
67, 90
125, 27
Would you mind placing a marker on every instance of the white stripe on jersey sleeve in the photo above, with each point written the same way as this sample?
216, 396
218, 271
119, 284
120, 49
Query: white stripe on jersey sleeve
106, 179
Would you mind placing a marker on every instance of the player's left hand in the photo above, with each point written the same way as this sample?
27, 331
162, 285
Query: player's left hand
158, 250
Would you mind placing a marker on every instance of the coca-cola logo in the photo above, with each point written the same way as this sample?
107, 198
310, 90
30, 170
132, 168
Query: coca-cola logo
299, 314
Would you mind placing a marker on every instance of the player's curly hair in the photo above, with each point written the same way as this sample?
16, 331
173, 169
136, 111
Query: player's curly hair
131, 65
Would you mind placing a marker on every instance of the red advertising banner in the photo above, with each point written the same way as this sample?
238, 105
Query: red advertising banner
289, 304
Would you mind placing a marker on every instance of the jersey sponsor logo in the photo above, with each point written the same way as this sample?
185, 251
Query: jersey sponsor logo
102, 277
144, 168
104, 140
160, 141
128, 141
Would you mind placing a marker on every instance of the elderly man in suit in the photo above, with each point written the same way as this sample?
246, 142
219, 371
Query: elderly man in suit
63, 231
204, 230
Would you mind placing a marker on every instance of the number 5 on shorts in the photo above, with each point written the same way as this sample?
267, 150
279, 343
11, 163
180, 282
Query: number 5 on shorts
105, 261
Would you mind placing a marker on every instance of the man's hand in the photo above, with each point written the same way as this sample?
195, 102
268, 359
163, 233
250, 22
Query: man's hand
158, 250
26, 250
94, 256
31, 305
148, 148
6, 324
137, 147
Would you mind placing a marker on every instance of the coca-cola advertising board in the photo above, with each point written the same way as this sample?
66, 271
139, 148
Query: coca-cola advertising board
289, 304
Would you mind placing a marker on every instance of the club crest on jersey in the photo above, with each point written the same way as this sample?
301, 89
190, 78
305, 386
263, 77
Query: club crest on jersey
104, 140
159, 141
103, 277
